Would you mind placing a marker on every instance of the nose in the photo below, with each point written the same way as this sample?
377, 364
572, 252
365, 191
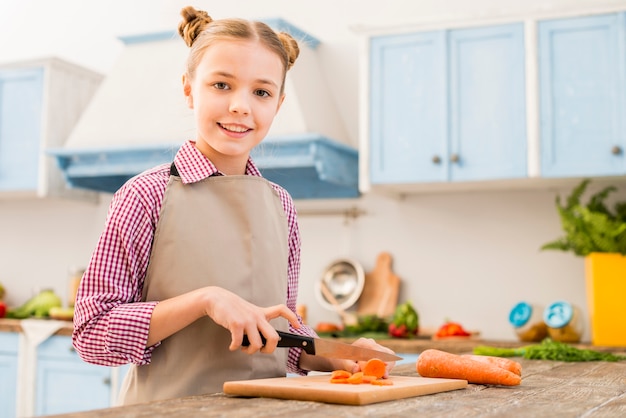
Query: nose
240, 103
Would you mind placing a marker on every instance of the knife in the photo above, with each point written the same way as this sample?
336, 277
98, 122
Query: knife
327, 348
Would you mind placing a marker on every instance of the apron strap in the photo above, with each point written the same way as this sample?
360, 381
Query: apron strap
174, 170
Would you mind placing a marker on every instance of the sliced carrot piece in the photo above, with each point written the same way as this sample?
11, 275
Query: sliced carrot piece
356, 378
339, 380
375, 367
382, 382
368, 379
340, 374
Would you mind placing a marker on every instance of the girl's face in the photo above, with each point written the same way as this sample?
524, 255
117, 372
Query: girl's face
235, 95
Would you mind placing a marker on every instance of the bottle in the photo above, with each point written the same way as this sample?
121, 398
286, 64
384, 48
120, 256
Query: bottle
564, 322
76, 274
528, 323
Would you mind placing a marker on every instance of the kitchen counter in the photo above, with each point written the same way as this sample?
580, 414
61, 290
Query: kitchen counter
548, 389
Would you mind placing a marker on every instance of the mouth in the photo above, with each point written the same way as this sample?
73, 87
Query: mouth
237, 129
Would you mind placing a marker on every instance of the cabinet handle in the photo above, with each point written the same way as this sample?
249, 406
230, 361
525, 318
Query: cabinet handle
436, 159
454, 158
616, 150
107, 381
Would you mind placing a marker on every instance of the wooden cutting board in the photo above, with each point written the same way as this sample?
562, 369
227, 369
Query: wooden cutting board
317, 388
380, 291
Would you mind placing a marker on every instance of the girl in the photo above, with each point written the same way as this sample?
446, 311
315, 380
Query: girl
198, 253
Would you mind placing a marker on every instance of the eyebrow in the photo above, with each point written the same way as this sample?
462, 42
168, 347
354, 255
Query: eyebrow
260, 80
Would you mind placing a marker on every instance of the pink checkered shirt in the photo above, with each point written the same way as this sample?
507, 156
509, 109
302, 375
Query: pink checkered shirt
111, 322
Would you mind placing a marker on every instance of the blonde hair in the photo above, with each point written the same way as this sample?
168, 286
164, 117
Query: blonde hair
199, 31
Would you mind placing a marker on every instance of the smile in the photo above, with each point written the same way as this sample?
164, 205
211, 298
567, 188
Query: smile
234, 128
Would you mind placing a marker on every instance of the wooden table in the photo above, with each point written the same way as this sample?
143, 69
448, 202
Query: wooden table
548, 389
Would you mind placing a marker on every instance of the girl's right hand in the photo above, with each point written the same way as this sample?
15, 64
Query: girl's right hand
242, 317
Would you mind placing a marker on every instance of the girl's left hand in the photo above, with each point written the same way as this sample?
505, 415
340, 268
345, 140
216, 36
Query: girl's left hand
354, 366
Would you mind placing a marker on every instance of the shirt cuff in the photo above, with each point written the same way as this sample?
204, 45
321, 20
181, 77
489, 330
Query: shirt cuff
295, 352
127, 332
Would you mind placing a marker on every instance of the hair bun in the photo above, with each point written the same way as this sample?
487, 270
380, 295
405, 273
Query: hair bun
193, 23
291, 47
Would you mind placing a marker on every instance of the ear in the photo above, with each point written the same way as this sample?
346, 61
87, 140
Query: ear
187, 91
280, 102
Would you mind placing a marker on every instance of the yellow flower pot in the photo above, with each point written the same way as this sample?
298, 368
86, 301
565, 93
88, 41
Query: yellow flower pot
606, 297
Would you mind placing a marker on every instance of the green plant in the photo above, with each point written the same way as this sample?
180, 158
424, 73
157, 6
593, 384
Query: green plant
590, 227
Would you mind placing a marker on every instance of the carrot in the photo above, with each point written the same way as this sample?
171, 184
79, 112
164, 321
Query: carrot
340, 374
368, 378
375, 367
437, 363
382, 382
503, 363
356, 378
339, 380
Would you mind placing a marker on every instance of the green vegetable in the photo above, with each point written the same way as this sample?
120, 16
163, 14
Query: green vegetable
38, 306
549, 350
591, 227
367, 324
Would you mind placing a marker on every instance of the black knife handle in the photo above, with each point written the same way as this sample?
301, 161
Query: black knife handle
288, 340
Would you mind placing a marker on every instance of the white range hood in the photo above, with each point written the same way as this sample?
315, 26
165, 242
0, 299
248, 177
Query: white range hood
138, 118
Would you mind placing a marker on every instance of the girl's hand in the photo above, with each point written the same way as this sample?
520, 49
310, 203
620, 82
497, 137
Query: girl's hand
373, 345
242, 317
349, 365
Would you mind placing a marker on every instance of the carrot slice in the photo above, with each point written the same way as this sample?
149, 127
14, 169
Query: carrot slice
356, 378
375, 367
340, 374
368, 379
504, 363
339, 380
382, 382
437, 363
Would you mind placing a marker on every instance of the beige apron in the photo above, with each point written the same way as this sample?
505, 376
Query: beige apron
226, 231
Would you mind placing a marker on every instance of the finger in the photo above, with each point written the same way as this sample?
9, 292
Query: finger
282, 311
271, 338
236, 338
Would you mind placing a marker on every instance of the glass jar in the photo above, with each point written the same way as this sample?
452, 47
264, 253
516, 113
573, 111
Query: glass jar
76, 274
527, 321
564, 322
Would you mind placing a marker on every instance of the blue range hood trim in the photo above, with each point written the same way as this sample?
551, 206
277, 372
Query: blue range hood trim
309, 166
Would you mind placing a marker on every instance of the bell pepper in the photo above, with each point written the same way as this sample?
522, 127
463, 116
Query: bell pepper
452, 329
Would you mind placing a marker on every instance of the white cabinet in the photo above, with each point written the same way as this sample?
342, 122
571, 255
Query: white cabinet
40, 102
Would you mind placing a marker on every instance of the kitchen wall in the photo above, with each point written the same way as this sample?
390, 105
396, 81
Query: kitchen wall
467, 256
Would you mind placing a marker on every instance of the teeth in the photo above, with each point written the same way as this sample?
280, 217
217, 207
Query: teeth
234, 128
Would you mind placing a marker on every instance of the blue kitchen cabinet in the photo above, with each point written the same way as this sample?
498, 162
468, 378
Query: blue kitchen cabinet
582, 95
8, 373
448, 105
65, 383
21, 96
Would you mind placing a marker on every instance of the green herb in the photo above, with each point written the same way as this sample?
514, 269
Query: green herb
549, 350
591, 227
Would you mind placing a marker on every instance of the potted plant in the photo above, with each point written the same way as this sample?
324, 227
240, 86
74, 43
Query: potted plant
595, 232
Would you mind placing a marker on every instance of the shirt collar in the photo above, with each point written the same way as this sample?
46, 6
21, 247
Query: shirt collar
193, 166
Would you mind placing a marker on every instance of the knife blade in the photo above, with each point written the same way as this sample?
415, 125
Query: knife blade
327, 348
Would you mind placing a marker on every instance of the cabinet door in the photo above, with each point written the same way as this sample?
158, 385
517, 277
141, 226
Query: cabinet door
408, 105
8, 374
67, 384
21, 95
581, 70
487, 103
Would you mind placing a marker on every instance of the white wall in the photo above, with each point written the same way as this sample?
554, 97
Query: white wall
464, 256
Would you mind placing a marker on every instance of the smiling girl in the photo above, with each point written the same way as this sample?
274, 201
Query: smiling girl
198, 253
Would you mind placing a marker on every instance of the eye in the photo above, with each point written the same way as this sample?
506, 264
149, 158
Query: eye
262, 93
221, 86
